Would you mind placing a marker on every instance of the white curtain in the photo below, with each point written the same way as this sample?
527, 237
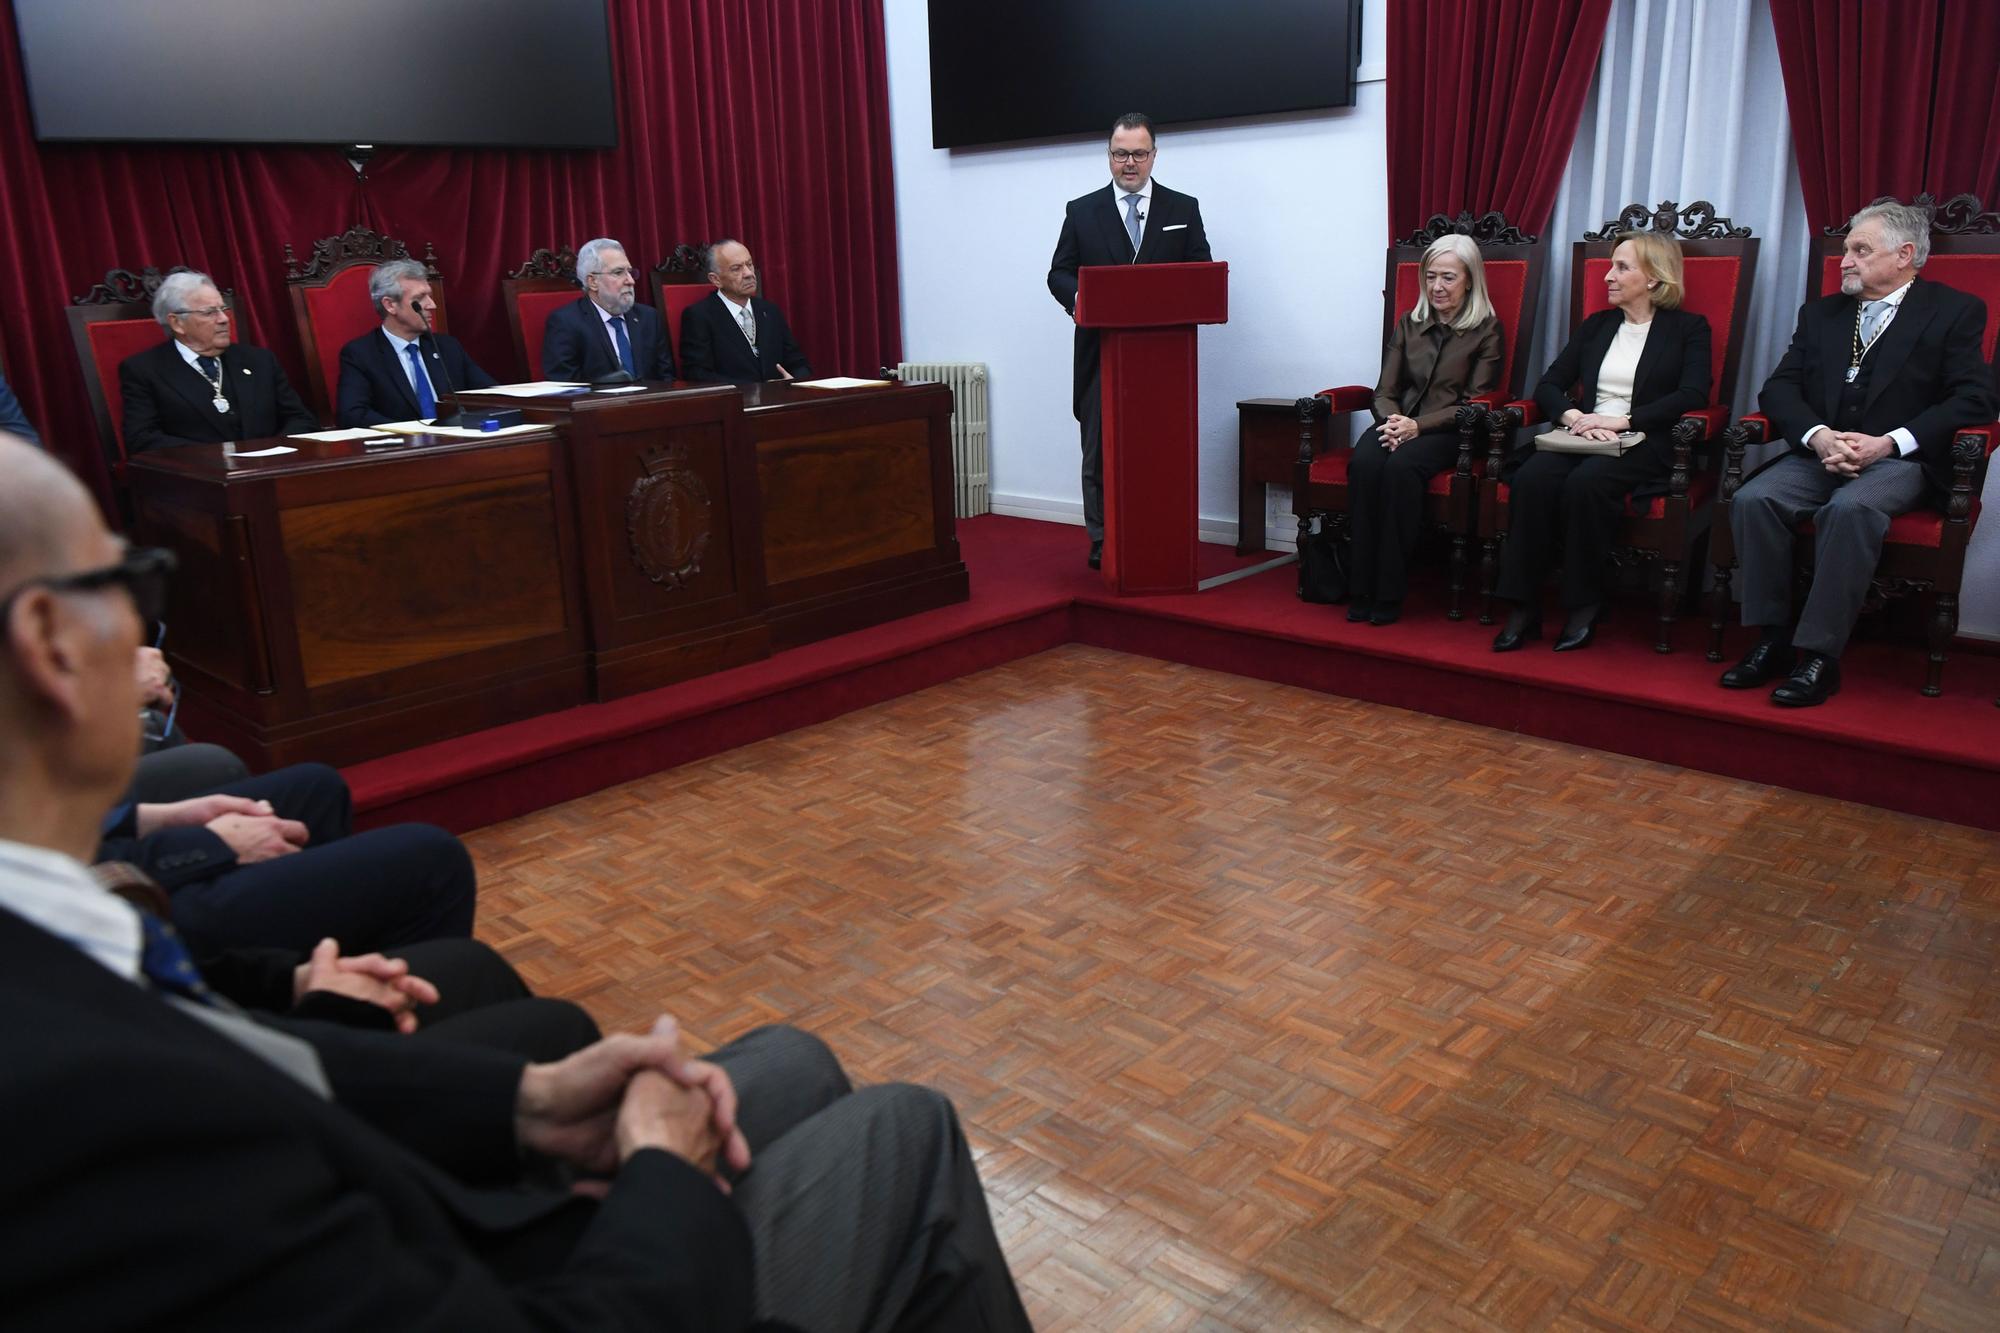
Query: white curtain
1688, 104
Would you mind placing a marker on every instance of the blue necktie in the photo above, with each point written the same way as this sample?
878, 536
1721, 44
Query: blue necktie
1872, 314
1132, 221
166, 961
210, 367
427, 402
624, 344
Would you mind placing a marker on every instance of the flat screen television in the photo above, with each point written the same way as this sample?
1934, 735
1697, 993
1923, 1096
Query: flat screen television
448, 73
1035, 69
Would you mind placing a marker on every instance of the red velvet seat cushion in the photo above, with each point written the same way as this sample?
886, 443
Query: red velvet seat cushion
1919, 527
1701, 489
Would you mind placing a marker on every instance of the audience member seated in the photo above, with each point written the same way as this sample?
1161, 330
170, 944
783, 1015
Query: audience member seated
603, 335
1878, 379
199, 386
172, 767
13, 420
458, 989
274, 860
187, 1165
737, 337
390, 375
1443, 352
1635, 367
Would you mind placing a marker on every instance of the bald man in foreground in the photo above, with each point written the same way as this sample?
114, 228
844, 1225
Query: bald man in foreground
174, 1163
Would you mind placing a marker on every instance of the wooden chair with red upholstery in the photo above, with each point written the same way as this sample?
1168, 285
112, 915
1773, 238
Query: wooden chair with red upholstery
533, 292
1923, 554
330, 301
108, 323
677, 284
1513, 264
1720, 263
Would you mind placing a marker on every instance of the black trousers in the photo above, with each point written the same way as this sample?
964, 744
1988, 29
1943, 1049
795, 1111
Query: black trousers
1090, 421
1572, 503
371, 891
482, 1000
1385, 490
177, 772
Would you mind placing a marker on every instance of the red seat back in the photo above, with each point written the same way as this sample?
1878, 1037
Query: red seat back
1513, 264
1718, 289
678, 283
330, 301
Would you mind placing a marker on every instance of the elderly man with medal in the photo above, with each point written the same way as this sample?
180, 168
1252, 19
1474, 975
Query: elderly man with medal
200, 386
1877, 381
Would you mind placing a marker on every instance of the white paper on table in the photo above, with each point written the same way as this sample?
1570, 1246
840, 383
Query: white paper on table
623, 388
328, 437
274, 449
534, 390
838, 382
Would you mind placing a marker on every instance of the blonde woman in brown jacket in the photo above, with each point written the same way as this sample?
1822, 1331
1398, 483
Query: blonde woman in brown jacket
1443, 352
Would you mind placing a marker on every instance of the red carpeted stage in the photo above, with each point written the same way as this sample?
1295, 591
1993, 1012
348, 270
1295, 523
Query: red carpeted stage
1879, 741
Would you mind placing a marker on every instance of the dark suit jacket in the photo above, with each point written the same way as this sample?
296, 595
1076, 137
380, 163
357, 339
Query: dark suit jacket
164, 1177
167, 402
1093, 232
576, 347
13, 421
1924, 372
1427, 385
713, 348
1673, 376
374, 387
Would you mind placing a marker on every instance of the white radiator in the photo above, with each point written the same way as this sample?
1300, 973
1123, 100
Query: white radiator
971, 463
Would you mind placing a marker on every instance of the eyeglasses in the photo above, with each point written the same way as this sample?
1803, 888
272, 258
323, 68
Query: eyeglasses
1131, 154
209, 312
615, 272
142, 573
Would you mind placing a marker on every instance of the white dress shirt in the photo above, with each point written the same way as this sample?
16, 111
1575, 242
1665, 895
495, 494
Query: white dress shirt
737, 313
50, 890
1118, 196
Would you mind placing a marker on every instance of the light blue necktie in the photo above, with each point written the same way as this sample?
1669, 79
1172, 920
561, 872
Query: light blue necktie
624, 344
1872, 315
427, 403
1132, 221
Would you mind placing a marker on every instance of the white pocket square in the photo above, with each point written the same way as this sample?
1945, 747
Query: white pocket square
1178, 226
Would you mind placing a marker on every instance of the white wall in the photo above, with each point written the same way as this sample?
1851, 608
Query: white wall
1297, 205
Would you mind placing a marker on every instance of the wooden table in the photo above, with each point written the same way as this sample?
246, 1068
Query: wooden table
338, 603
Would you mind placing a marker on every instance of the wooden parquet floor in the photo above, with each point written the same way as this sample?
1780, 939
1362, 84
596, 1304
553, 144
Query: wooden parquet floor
1271, 1010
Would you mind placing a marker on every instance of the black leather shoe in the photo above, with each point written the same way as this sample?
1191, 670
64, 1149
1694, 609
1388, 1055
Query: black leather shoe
1518, 630
1386, 613
1097, 555
1770, 658
1815, 680
1358, 611
1578, 630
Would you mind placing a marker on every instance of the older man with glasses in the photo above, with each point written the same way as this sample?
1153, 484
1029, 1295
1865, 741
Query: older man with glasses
1133, 220
200, 386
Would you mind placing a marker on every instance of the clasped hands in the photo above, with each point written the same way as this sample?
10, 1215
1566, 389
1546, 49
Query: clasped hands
627, 1092
1593, 426
1844, 452
1395, 431
252, 829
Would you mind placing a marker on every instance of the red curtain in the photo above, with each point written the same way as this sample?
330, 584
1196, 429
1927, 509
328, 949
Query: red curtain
766, 120
1484, 99
1891, 99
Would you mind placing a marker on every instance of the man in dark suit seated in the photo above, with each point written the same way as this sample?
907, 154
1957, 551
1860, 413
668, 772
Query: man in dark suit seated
274, 860
603, 335
1870, 393
736, 336
181, 1164
14, 421
200, 386
398, 372
1133, 220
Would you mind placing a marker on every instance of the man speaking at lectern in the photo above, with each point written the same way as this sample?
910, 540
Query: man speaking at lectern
1133, 220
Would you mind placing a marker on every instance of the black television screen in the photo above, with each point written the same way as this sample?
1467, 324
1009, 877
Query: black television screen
449, 73
1034, 69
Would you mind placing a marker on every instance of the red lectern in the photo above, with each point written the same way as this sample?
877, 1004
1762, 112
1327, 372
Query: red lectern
1148, 314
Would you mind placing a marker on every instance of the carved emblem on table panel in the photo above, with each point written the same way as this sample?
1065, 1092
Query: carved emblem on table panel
668, 517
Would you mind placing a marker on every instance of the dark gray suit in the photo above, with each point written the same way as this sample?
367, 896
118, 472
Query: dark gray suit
1093, 232
1923, 373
